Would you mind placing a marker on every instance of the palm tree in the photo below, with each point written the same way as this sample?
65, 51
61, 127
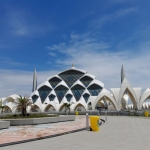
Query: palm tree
2, 107
68, 107
22, 103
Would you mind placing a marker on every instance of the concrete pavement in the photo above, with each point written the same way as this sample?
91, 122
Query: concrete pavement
118, 133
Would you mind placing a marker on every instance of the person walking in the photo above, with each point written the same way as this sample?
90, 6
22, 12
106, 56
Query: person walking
99, 110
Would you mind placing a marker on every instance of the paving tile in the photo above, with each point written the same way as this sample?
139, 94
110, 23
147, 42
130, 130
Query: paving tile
118, 133
19, 133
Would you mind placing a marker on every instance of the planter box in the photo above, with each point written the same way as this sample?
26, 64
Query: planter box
35, 121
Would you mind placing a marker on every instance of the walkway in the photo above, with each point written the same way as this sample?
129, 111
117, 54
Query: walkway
20, 133
118, 133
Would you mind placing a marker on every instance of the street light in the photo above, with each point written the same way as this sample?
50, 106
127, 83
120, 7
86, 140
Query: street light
105, 108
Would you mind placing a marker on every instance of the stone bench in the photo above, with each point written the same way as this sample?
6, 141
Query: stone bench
4, 124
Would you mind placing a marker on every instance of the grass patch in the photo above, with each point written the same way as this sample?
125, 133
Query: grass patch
19, 116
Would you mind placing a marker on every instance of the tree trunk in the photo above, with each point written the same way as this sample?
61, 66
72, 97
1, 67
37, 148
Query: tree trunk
69, 110
23, 111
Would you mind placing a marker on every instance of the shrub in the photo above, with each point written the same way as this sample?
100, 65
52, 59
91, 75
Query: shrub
20, 116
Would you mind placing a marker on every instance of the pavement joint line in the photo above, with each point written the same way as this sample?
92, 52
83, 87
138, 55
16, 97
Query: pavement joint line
41, 138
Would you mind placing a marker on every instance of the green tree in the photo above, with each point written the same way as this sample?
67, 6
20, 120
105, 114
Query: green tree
23, 103
68, 107
2, 107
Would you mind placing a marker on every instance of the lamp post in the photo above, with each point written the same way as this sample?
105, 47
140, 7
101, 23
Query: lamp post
87, 121
105, 108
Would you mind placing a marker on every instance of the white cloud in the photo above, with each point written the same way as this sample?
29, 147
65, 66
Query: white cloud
88, 54
52, 54
100, 21
10, 63
20, 82
126, 11
23, 24
97, 58
55, 47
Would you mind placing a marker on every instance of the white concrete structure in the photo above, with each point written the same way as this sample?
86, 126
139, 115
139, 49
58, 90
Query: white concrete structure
73, 86
83, 91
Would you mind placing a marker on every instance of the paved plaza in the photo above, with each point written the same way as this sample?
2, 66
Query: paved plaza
118, 133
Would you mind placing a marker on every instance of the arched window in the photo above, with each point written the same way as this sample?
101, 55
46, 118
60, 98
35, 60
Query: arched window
54, 81
94, 89
60, 92
43, 92
77, 91
86, 80
34, 98
51, 97
71, 76
68, 97
86, 97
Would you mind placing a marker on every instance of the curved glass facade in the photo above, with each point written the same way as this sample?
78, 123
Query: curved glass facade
86, 97
54, 82
94, 89
68, 97
71, 76
44, 92
77, 91
60, 92
75, 82
86, 80
51, 97
34, 98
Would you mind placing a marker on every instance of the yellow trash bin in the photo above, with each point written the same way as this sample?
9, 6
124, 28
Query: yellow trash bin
77, 113
94, 121
146, 113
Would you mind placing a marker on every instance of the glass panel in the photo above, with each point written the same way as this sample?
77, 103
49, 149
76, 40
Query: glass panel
54, 81
86, 80
71, 76
86, 97
51, 97
77, 91
34, 98
68, 97
43, 92
60, 92
94, 89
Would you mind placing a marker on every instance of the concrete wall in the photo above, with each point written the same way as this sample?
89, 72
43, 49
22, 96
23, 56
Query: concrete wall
4, 124
35, 121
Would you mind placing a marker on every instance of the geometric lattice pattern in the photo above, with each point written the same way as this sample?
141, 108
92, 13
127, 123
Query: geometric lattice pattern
86, 97
60, 92
68, 85
77, 91
43, 92
86, 80
54, 81
52, 97
71, 76
68, 97
94, 89
34, 98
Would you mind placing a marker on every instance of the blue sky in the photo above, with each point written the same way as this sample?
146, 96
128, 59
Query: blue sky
97, 36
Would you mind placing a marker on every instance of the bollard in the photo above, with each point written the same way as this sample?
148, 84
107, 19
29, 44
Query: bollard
77, 113
87, 121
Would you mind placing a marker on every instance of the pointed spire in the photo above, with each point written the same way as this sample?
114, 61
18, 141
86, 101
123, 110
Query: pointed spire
72, 65
1, 102
34, 81
122, 74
